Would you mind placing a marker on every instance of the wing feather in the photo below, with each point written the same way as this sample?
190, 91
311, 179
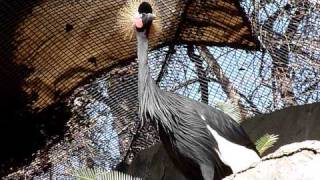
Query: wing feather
226, 126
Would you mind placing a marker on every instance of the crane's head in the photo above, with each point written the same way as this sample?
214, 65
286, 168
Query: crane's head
143, 20
139, 16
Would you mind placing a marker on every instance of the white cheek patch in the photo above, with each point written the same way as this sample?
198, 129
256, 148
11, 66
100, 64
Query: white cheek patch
236, 156
137, 15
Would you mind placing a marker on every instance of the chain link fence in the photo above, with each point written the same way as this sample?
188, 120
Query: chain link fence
70, 80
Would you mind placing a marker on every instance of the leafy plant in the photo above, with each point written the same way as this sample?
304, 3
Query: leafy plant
100, 174
266, 142
230, 109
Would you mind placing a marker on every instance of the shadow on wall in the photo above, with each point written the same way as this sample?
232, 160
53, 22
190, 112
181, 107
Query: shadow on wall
293, 124
22, 131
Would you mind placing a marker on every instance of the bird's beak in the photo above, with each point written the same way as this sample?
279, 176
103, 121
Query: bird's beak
151, 16
147, 19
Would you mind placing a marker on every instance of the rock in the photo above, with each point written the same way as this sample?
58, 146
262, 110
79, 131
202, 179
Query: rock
296, 161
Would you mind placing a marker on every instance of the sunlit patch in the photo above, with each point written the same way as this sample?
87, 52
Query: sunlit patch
202, 117
226, 150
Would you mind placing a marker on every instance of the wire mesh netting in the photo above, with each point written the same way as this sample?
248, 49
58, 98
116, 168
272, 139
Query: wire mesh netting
66, 70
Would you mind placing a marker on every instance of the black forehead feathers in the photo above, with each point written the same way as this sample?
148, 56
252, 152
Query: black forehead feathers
145, 7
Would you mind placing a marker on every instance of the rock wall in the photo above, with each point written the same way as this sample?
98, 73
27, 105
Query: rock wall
297, 161
293, 124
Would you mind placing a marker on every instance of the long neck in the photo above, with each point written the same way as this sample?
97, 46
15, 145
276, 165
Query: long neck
143, 74
151, 105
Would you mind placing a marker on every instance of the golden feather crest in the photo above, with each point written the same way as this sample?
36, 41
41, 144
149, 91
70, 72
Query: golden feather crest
129, 12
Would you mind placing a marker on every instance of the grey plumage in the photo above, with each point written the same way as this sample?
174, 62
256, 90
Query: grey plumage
183, 124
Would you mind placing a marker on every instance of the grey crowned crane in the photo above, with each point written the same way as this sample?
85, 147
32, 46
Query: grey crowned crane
203, 142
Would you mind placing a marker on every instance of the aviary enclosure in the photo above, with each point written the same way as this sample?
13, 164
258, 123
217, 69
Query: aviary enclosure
69, 79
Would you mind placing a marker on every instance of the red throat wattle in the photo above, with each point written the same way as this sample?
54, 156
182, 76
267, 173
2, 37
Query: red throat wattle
138, 22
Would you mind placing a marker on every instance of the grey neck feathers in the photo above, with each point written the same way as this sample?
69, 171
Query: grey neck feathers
151, 100
142, 50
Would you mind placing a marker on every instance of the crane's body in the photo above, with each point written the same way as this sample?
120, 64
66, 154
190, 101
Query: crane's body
203, 142
198, 137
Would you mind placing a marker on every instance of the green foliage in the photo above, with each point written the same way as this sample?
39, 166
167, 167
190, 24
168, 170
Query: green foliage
230, 109
266, 142
100, 174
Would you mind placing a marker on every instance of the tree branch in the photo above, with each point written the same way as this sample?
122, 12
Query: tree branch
184, 84
280, 71
227, 86
203, 80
